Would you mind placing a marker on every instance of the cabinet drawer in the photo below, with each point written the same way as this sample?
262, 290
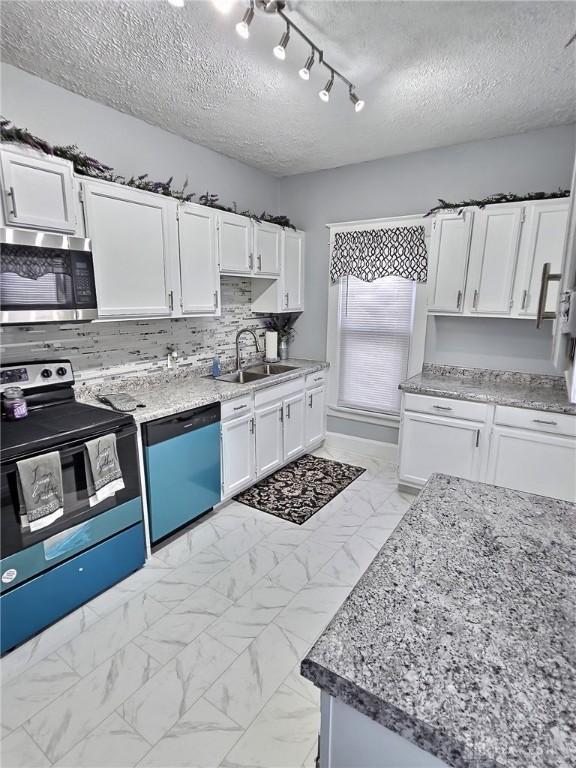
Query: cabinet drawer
542, 421
240, 406
278, 392
442, 406
315, 379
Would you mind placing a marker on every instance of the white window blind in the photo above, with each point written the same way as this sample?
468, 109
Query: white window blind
374, 330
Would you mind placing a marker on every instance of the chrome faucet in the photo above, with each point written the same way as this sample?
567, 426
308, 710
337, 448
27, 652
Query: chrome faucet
240, 332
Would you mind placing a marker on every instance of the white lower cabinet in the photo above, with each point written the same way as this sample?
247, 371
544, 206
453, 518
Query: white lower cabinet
533, 462
269, 438
440, 444
518, 448
293, 426
238, 460
315, 416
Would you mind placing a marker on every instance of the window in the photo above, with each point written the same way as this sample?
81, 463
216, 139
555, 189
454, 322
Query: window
373, 342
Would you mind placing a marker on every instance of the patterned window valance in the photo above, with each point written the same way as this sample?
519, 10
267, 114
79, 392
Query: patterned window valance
373, 253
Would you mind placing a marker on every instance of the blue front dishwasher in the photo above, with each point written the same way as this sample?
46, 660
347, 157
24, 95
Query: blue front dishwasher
182, 456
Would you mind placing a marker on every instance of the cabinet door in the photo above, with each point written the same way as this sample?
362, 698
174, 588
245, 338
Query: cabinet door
315, 417
293, 271
439, 444
37, 192
199, 274
237, 454
235, 243
543, 242
449, 250
267, 242
534, 462
269, 442
493, 259
134, 243
293, 426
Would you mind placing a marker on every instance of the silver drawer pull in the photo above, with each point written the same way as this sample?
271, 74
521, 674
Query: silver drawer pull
239, 407
12, 195
459, 300
442, 407
545, 421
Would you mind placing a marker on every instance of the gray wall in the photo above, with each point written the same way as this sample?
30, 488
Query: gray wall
408, 184
129, 145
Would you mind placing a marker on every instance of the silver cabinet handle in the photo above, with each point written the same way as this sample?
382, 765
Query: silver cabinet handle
171, 301
545, 421
239, 407
252, 426
282, 414
259, 262
288, 411
477, 438
459, 300
442, 407
319, 378
475, 299
286, 301
251, 261
547, 278
215, 299
12, 195
524, 299
310, 401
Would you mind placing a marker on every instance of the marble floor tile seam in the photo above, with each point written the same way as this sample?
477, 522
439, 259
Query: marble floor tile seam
30, 736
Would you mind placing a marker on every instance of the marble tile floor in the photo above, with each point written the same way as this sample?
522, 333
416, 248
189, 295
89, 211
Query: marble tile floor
194, 660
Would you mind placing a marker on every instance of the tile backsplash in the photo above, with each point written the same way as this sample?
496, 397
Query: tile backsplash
134, 344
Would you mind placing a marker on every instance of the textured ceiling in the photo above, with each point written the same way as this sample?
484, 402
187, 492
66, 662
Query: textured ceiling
432, 73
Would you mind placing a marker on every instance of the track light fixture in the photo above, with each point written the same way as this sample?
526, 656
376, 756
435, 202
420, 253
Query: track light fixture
243, 27
277, 8
358, 103
280, 49
305, 71
325, 92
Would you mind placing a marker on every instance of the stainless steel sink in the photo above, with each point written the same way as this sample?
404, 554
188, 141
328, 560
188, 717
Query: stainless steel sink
242, 377
271, 369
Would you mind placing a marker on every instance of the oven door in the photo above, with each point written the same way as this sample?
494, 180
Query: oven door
45, 277
77, 509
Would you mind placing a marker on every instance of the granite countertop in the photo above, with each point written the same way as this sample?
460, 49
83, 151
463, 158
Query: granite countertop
166, 392
460, 636
521, 390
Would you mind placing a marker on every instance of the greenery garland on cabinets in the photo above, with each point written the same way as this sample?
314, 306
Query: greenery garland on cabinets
89, 166
500, 197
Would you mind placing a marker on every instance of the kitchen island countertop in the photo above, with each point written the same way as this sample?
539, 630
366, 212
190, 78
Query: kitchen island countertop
460, 635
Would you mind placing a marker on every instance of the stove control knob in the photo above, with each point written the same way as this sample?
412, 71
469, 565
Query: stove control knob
46, 373
61, 371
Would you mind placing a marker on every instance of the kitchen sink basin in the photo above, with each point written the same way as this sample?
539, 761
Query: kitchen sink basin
271, 369
242, 377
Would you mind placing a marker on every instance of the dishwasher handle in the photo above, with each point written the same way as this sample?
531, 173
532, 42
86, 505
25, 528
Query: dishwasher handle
160, 430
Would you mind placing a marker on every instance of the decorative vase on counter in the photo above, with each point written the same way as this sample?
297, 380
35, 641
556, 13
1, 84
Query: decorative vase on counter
283, 349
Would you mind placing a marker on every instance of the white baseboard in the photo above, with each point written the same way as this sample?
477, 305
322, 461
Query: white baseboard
375, 448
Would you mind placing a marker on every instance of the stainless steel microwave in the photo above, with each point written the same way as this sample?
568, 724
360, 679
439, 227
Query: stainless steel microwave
45, 277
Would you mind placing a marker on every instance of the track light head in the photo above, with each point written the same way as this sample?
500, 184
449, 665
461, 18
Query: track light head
325, 92
358, 103
280, 49
243, 27
305, 71
224, 6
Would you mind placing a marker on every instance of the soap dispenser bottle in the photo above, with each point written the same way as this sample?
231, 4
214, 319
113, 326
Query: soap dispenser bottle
216, 368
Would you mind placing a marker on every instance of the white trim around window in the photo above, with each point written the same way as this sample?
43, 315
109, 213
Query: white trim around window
417, 341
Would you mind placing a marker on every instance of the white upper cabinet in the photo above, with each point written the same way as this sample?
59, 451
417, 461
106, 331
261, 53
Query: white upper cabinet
235, 243
267, 248
448, 261
543, 241
37, 191
293, 271
135, 247
199, 273
493, 257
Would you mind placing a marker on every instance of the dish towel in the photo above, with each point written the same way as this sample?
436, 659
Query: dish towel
103, 471
40, 490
